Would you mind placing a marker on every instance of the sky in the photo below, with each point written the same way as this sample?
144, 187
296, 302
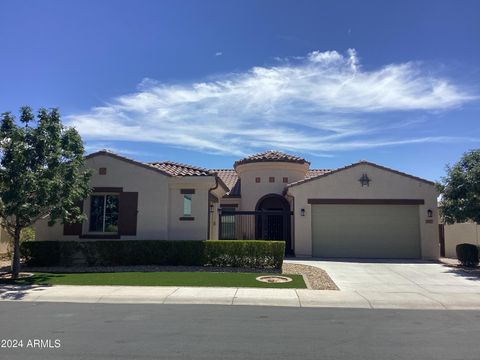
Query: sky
209, 82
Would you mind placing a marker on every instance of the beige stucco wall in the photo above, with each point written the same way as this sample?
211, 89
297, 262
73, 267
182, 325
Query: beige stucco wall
196, 229
384, 185
252, 191
160, 204
458, 234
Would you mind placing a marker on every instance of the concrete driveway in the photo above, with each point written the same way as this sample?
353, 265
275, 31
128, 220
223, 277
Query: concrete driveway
404, 283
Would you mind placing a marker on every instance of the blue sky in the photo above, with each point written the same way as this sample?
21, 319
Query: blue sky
206, 82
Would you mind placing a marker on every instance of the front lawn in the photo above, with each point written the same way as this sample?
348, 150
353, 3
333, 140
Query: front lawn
218, 279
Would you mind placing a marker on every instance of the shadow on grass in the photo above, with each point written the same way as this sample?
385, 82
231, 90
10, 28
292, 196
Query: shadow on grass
17, 289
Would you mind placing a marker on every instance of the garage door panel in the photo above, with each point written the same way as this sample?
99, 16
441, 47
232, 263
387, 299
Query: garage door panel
366, 231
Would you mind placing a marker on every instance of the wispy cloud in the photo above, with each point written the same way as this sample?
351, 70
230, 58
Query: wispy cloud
218, 53
319, 103
97, 146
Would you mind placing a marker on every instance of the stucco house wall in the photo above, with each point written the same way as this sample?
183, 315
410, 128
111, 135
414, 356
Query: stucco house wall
197, 228
459, 234
160, 202
253, 191
384, 184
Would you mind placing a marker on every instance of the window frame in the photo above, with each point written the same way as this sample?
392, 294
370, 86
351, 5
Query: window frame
103, 232
188, 197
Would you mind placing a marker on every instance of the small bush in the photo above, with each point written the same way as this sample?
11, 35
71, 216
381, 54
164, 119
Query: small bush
467, 254
245, 253
236, 253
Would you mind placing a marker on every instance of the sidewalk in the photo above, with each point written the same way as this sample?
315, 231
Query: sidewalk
237, 296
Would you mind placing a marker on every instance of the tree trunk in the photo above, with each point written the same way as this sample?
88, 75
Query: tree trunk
16, 254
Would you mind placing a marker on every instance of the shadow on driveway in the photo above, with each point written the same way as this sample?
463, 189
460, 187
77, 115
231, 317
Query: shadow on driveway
464, 272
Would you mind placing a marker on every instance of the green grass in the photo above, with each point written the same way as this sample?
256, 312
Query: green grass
232, 279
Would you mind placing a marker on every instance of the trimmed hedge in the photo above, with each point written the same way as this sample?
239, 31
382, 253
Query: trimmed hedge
235, 253
245, 253
467, 254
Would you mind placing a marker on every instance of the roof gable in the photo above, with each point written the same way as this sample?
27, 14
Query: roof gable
125, 159
363, 162
231, 180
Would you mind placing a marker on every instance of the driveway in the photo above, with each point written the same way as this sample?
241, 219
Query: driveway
416, 282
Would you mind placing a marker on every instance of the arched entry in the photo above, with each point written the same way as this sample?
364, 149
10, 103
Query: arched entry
275, 221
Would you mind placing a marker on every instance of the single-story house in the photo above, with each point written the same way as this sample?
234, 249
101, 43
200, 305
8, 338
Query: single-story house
360, 210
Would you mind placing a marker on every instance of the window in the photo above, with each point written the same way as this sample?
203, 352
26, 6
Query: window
257, 179
187, 205
104, 213
285, 179
271, 179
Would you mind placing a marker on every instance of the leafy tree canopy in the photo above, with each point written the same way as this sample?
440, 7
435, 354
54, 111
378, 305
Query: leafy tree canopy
460, 189
42, 172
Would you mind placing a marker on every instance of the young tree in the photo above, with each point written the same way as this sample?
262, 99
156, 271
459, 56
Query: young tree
42, 173
460, 190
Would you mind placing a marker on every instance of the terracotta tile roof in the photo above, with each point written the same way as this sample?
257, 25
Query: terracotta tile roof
178, 169
231, 180
316, 172
271, 155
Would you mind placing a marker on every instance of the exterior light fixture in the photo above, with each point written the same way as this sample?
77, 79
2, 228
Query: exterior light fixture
302, 212
429, 213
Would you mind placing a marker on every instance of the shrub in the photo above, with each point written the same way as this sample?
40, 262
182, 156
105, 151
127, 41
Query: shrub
245, 253
113, 253
467, 254
236, 253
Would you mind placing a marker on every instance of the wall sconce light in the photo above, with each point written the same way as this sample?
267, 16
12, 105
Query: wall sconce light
211, 209
429, 213
302, 212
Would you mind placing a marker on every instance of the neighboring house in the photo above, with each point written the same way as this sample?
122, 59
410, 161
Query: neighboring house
460, 233
360, 210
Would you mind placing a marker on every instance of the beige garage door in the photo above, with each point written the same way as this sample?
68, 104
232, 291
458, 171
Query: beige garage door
366, 231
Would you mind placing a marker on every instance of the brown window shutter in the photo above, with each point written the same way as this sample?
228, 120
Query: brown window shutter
76, 228
128, 209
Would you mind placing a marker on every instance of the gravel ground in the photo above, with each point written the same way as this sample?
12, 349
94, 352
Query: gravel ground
317, 278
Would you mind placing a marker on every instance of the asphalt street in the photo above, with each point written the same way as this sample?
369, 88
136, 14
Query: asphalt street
106, 331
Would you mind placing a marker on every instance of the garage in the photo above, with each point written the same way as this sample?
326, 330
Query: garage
366, 230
